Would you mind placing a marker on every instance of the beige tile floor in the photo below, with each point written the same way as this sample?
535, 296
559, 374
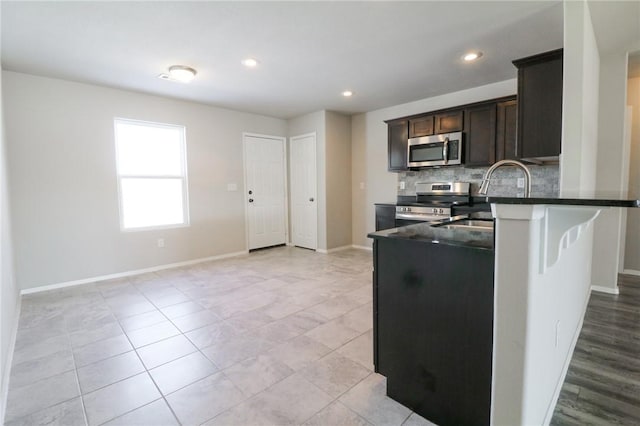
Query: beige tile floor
278, 337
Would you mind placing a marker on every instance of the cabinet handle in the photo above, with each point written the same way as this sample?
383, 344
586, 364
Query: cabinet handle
311, 199
251, 200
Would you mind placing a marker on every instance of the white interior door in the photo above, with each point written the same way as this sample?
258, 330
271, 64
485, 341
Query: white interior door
265, 190
304, 192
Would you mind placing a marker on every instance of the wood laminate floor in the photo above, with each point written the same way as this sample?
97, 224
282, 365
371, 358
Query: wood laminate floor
602, 386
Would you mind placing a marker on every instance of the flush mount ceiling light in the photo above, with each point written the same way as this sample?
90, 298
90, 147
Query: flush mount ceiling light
471, 56
347, 93
250, 62
179, 73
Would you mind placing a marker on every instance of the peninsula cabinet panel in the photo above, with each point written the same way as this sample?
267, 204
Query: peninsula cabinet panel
506, 130
480, 130
448, 122
398, 136
385, 216
540, 105
433, 328
422, 126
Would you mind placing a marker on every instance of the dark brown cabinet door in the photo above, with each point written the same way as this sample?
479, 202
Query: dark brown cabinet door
480, 133
397, 140
421, 126
540, 105
506, 130
448, 122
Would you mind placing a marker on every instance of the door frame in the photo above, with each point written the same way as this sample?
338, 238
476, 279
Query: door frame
317, 204
245, 189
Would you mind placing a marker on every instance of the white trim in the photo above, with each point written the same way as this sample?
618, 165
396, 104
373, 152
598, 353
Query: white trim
355, 246
130, 273
286, 181
631, 272
608, 290
4, 390
333, 250
565, 367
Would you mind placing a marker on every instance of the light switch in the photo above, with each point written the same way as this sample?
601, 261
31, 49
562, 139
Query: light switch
232, 187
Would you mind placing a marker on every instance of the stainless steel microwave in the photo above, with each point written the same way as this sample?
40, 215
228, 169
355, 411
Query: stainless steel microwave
436, 150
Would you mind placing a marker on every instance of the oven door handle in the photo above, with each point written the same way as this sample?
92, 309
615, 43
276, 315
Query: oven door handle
445, 151
419, 217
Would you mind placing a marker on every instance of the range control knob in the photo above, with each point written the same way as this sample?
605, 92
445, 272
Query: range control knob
441, 211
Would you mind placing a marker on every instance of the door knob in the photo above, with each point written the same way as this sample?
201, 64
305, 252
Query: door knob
311, 199
251, 200
250, 192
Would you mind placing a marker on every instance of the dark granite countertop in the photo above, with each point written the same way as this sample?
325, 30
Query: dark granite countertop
597, 201
439, 235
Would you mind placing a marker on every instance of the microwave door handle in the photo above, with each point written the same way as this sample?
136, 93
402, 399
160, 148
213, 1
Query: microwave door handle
445, 150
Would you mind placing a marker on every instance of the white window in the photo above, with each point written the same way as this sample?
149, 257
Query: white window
152, 174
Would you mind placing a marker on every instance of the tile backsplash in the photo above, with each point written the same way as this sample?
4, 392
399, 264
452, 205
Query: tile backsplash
544, 179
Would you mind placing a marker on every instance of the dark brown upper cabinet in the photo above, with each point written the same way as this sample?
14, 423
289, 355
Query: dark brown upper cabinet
421, 126
540, 105
506, 130
447, 122
480, 132
489, 131
398, 136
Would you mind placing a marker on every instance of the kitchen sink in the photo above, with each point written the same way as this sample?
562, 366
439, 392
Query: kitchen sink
469, 225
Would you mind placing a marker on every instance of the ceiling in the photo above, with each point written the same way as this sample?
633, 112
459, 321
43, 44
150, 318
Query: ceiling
386, 52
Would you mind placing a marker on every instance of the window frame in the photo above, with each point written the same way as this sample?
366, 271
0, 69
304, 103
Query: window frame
183, 176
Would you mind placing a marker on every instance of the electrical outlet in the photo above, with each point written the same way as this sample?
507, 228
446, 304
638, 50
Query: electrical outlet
161, 242
520, 182
402, 184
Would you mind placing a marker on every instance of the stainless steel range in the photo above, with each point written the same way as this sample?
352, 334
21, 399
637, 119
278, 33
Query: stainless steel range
433, 202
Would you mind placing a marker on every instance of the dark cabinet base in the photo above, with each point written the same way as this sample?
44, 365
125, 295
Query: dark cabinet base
433, 328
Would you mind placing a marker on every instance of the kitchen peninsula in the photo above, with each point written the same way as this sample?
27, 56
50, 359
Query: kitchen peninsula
542, 250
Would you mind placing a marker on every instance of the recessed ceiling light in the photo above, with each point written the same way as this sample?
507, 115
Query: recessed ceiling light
179, 73
471, 56
347, 93
250, 63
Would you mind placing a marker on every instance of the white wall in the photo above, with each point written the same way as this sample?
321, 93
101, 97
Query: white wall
632, 241
338, 175
64, 199
333, 150
9, 293
369, 151
612, 170
580, 103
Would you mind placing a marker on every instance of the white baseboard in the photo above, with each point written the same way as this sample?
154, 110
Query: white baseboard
130, 273
608, 290
631, 272
565, 367
4, 389
333, 250
362, 247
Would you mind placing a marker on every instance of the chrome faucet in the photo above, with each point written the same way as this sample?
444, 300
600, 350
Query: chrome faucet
487, 177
